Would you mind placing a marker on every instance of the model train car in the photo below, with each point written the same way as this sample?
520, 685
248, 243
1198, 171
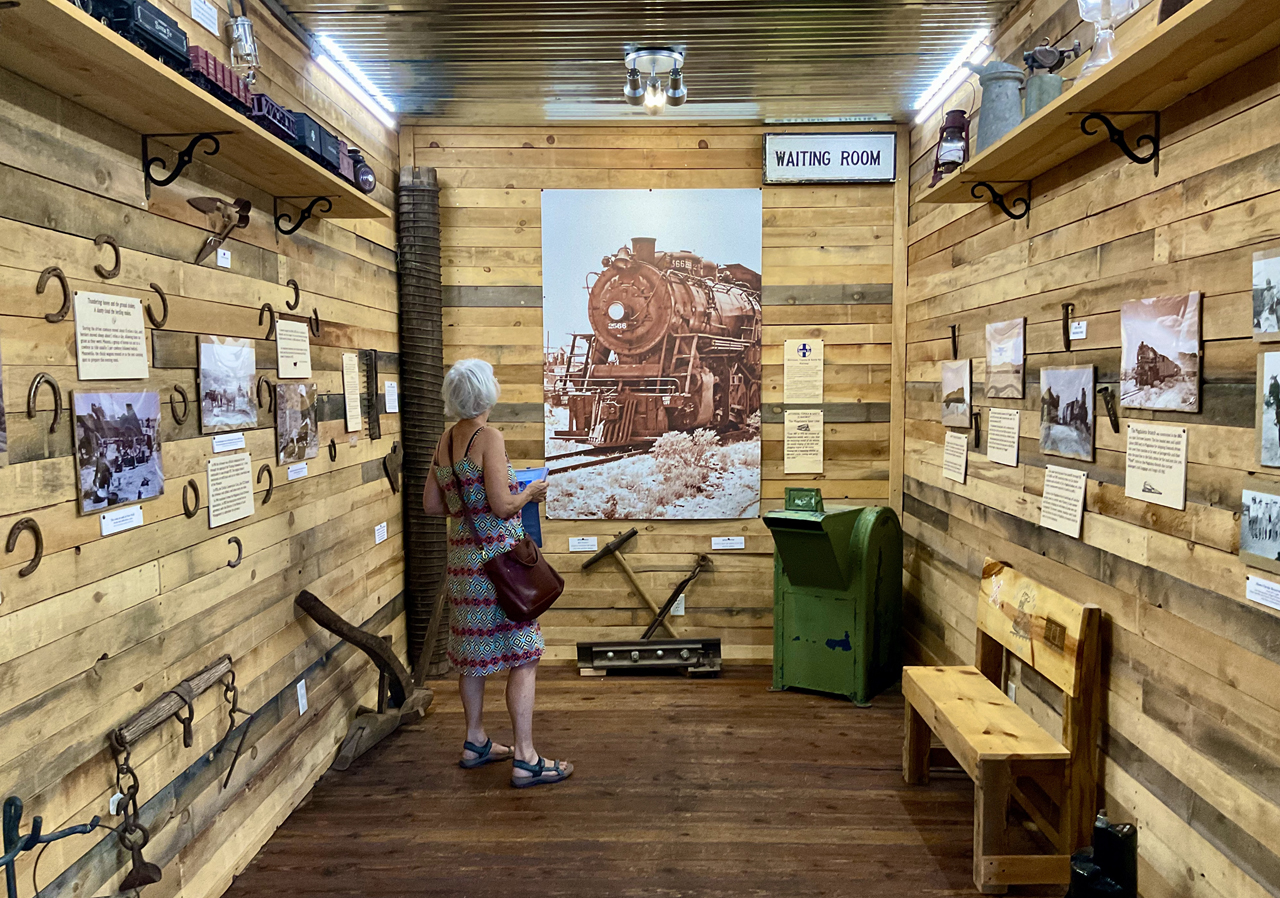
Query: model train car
1154, 367
211, 74
273, 118
675, 345
147, 27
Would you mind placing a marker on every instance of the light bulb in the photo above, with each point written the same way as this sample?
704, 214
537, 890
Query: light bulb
655, 98
634, 91
676, 92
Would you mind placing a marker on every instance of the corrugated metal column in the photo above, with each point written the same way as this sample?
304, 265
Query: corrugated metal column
421, 407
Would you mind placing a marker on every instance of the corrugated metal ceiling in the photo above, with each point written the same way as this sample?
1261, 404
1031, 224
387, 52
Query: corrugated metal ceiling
562, 59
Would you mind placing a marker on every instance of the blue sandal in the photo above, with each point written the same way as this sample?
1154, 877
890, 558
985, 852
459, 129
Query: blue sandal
484, 754
541, 774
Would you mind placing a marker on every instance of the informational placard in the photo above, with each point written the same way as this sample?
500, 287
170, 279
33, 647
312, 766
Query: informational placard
392, 391
720, 543
120, 519
1155, 468
1062, 506
206, 14
380, 533
802, 441
829, 158
802, 371
225, 442
230, 488
293, 349
1264, 592
582, 544
298, 470
111, 339
1002, 435
1079, 330
351, 389
955, 456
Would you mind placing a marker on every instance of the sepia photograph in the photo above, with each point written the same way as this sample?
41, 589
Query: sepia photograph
1260, 526
1160, 353
227, 369
297, 430
1066, 412
1266, 295
1268, 422
117, 448
652, 353
956, 393
1006, 358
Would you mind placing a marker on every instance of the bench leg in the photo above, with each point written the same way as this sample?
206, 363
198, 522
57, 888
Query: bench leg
915, 748
991, 790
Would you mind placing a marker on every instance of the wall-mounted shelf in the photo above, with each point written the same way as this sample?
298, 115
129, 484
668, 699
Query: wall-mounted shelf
61, 48
1195, 47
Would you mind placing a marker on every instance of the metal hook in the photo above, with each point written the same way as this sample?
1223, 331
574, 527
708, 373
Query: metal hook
271, 393
1116, 136
186, 405
185, 158
235, 541
271, 482
30, 525
36, 381
284, 218
55, 272
1067, 309
1109, 400
313, 323
164, 304
186, 508
333, 450
975, 419
955, 344
292, 304
998, 198
107, 273
271, 314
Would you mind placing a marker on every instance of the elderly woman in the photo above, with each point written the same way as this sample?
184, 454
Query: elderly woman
471, 466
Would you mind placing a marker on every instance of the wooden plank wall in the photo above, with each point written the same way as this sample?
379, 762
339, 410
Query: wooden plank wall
828, 272
106, 625
1192, 667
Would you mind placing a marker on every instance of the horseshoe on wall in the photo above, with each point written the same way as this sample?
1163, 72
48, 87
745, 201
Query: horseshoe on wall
297, 295
186, 405
15, 531
53, 271
235, 541
271, 313
333, 450
36, 381
107, 273
186, 508
271, 393
314, 322
271, 482
164, 304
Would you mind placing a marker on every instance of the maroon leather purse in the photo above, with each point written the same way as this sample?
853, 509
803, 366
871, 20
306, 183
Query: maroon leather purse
524, 580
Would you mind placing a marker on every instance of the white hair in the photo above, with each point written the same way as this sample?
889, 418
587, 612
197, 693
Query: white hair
470, 389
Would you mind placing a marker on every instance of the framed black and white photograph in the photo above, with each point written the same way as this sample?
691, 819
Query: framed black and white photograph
1006, 358
1266, 295
1066, 412
1160, 353
1268, 420
297, 430
227, 369
1260, 525
957, 387
117, 449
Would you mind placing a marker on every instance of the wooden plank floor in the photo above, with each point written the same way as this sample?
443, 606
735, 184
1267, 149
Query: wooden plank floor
683, 788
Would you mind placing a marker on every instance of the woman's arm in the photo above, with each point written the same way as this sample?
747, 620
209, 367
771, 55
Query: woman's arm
497, 482
432, 496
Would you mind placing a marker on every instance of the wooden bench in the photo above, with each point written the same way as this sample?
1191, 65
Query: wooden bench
1003, 750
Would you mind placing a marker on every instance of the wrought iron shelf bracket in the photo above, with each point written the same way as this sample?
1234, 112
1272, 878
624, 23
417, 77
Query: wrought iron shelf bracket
1116, 136
284, 221
997, 198
185, 157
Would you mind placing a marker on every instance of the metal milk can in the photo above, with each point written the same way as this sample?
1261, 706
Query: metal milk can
1001, 109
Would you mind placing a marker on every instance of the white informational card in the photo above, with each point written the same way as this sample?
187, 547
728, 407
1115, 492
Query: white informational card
392, 391
293, 349
728, 542
1264, 592
120, 519
230, 480
1062, 507
380, 533
802, 441
1155, 467
955, 456
302, 697
1079, 330
1002, 435
351, 389
206, 14
582, 544
298, 470
111, 339
225, 442
802, 371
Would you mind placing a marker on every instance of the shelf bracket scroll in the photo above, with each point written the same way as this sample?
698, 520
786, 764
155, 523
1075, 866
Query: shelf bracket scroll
1116, 136
998, 199
284, 221
185, 157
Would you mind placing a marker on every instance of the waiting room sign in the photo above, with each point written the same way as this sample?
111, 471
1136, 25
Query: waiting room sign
830, 158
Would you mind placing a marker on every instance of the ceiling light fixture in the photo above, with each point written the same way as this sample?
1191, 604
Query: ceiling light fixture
975, 51
338, 64
650, 92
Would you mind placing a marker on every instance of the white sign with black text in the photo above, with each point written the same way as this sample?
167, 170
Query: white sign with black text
829, 158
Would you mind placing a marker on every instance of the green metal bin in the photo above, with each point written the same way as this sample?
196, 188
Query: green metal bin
837, 597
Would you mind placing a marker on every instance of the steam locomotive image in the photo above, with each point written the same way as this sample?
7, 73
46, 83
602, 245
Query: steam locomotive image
1154, 367
674, 346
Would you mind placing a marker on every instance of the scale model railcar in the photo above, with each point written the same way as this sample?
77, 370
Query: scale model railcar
211, 74
147, 27
1154, 367
273, 118
675, 345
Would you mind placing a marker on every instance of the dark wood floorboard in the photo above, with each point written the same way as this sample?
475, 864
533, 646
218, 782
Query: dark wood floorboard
702, 788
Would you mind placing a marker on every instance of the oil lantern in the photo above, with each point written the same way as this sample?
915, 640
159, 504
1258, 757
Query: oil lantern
953, 145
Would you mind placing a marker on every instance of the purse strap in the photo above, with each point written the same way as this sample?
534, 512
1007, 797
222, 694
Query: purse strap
453, 469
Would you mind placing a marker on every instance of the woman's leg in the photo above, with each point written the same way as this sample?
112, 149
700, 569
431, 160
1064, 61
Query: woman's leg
521, 687
472, 691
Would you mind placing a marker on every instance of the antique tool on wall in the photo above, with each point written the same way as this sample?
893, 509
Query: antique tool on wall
695, 656
399, 700
369, 358
1044, 84
15, 844
230, 216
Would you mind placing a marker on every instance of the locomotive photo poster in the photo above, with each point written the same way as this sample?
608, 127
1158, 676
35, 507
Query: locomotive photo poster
1160, 353
652, 355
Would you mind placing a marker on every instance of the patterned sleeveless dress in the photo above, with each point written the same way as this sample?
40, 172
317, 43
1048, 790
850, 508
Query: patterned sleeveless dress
481, 638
